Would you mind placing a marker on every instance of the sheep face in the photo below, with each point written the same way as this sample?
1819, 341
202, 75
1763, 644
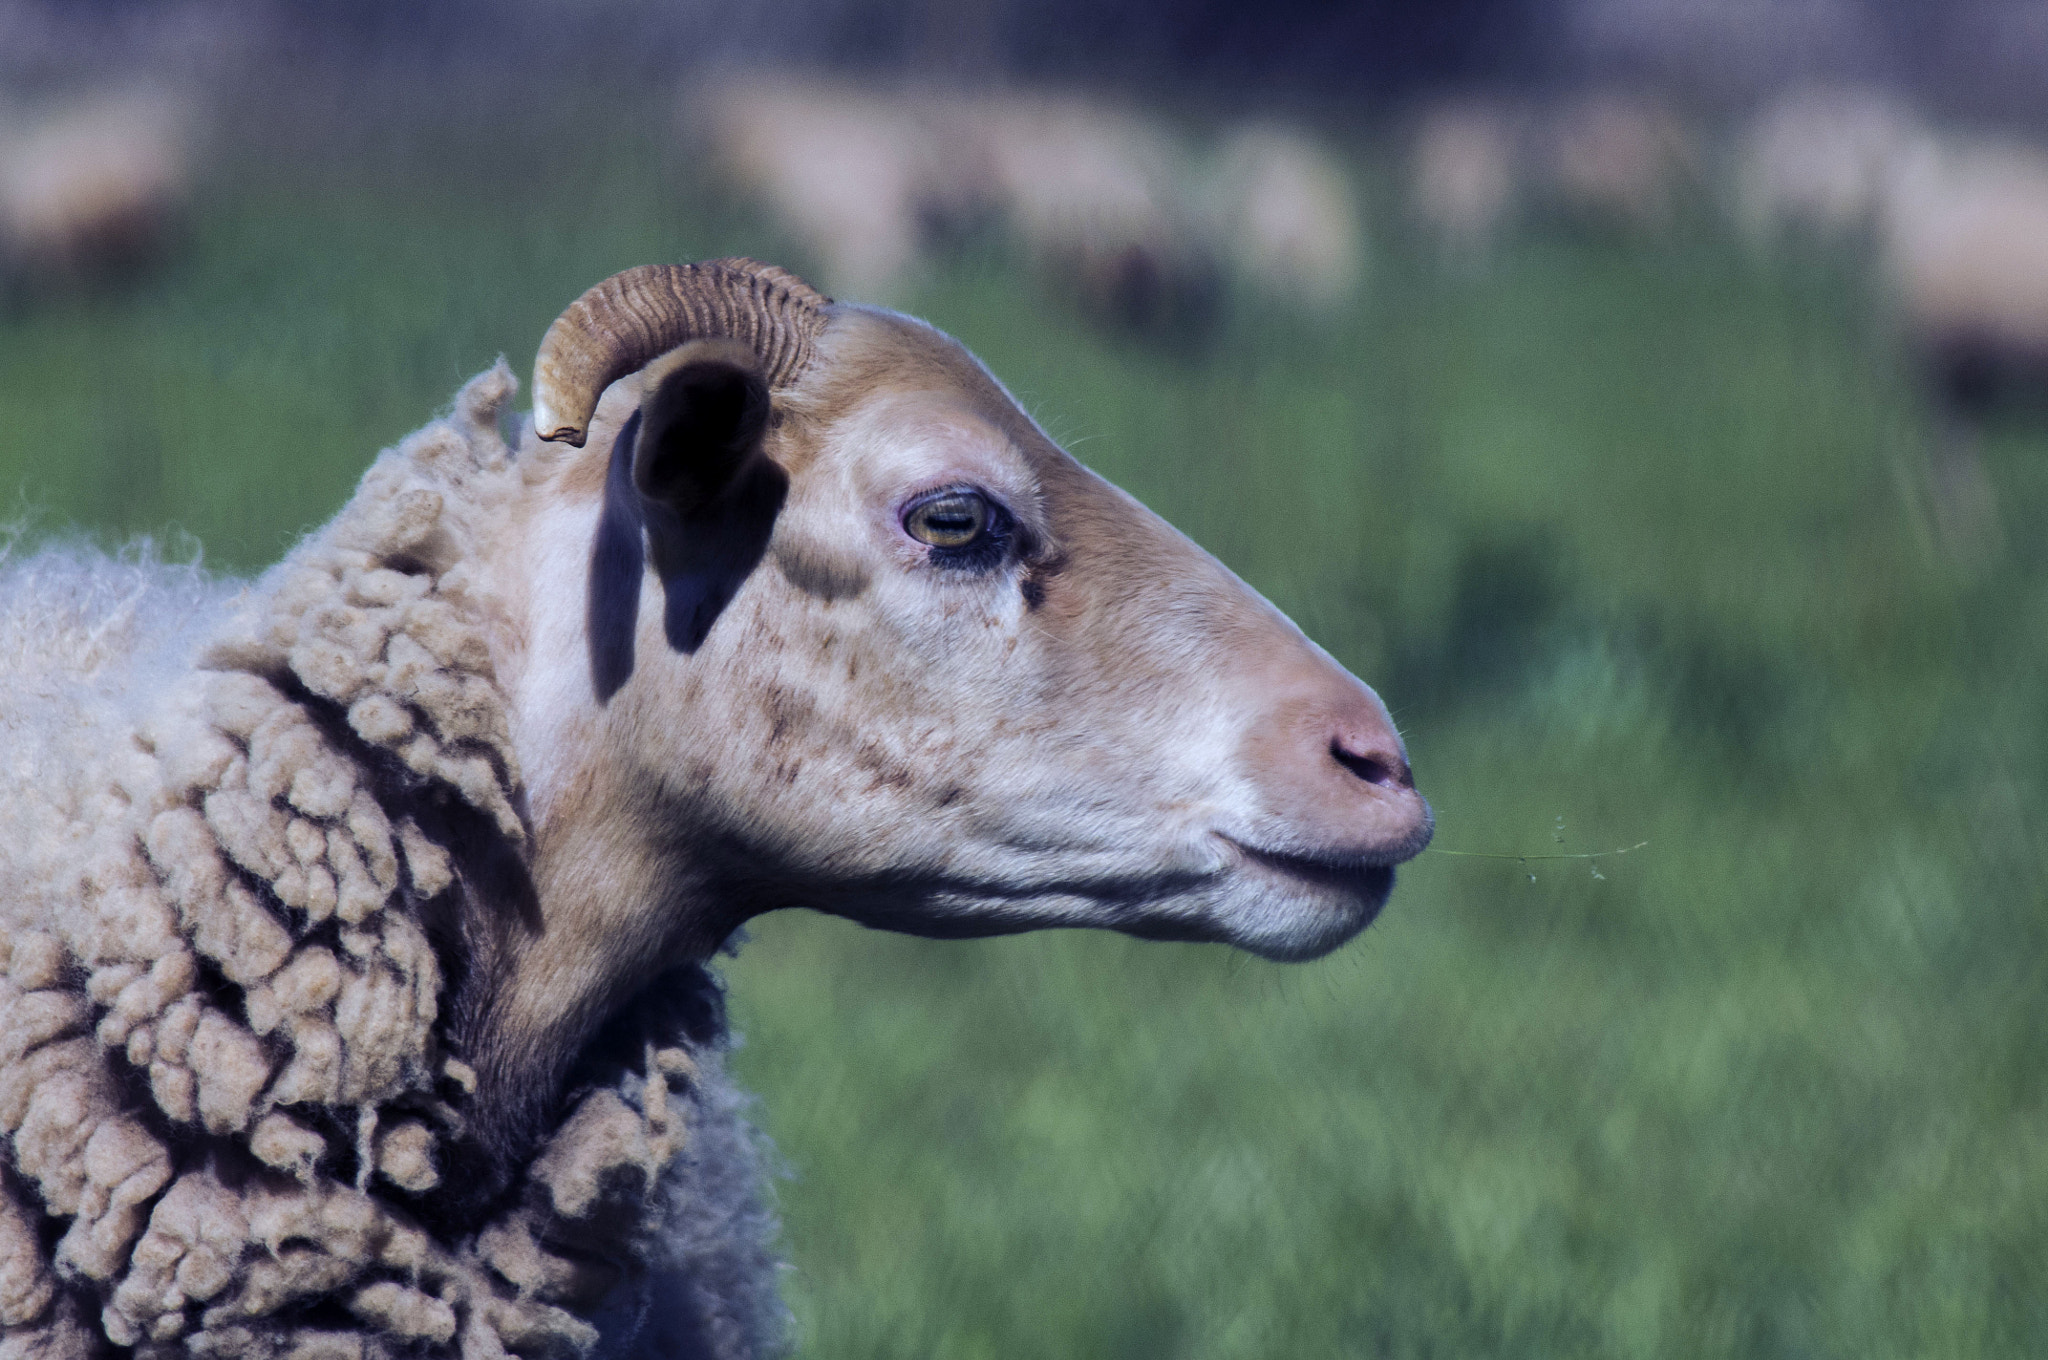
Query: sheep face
955, 684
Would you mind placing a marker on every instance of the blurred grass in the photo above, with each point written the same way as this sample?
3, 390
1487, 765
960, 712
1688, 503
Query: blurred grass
1637, 543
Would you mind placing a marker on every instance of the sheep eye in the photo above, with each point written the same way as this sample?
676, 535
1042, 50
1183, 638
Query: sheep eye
952, 519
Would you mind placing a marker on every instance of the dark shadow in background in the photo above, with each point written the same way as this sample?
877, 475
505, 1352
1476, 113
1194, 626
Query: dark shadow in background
1314, 48
1973, 57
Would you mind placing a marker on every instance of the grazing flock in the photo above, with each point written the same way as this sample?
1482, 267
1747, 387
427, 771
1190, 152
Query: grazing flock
1954, 226
355, 921
1148, 227
1153, 230
1141, 223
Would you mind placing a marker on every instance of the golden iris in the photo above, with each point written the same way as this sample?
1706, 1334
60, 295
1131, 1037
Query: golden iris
952, 520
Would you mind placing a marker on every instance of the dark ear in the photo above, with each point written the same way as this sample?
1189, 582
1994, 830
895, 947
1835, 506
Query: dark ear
698, 423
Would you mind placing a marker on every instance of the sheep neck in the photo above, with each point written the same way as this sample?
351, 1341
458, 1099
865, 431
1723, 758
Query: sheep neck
608, 923
604, 900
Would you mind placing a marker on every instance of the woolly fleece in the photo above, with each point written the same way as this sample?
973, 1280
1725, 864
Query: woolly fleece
225, 1104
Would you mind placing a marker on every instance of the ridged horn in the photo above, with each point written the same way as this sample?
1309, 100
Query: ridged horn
630, 318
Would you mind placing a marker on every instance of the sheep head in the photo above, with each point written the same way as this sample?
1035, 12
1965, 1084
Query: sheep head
824, 619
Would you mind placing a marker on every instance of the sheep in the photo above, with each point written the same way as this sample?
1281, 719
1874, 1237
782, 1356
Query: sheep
1960, 229
355, 989
1462, 180
92, 187
1094, 196
1599, 158
849, 174
1963, 229
1956, 223
1099, 197
1107, 202
1817, 161
1287, 218
1617, 159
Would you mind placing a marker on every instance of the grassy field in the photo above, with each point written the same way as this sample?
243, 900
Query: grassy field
1639, 542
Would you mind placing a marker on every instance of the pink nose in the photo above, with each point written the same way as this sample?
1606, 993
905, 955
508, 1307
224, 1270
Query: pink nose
1330, 776
1371, 752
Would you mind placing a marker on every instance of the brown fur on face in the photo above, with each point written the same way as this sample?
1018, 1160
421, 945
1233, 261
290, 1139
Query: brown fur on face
1100, 726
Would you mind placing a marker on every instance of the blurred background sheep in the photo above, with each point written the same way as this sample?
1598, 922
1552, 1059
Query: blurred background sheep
1950, 227
1674, 450
1816, 160
1946, 223
1595, 159
851, 175
1464, 174
1114, 207
1965, 243
1288, 218
92, 185
1096, 196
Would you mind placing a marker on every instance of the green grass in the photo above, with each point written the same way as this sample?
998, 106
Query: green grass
1638, 544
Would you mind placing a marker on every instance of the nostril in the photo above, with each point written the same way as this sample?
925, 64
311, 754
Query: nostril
1372, 768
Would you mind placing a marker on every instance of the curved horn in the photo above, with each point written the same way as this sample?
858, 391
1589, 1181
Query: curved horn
628, 319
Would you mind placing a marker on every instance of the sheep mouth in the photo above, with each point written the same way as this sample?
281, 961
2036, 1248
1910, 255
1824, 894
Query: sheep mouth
1368, 882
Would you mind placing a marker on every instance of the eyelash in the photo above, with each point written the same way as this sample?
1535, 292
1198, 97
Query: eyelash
984, 553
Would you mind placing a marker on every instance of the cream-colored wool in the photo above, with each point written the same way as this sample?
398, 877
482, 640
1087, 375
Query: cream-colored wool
220, 1071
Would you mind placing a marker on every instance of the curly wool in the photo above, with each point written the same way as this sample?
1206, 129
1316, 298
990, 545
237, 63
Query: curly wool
223, 1091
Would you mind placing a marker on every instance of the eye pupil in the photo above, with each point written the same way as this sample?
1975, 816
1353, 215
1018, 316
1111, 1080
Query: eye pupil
949, 521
